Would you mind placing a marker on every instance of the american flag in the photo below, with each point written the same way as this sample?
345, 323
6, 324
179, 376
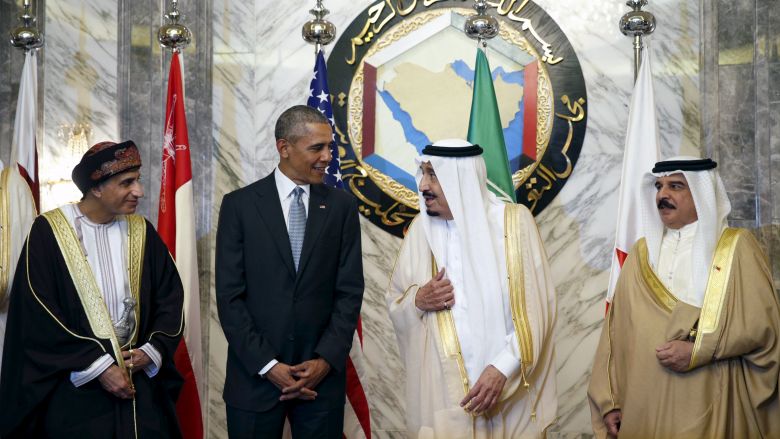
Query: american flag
319, 98
357, 417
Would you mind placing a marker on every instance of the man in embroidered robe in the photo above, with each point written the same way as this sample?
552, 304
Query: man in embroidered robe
95, 315
468, 268
690, 347
17, 211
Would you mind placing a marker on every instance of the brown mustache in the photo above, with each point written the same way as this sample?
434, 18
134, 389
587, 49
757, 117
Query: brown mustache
428, 194
665, 204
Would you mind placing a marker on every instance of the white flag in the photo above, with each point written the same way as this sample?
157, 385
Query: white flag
23, 145
640, 155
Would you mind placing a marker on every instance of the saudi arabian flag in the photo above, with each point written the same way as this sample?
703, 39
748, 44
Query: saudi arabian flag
485, 129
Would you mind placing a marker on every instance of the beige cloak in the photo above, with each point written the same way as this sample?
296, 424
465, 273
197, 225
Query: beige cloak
731, 388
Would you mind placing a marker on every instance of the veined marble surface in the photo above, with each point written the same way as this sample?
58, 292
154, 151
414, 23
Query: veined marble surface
262, 66
80, 87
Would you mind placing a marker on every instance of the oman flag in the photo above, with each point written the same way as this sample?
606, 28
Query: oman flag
176, 226
640, 154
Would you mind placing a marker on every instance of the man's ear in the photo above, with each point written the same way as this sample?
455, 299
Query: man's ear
281, 147
96, 192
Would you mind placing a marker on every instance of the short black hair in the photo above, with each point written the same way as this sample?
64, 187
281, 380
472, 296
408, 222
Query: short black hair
292, 122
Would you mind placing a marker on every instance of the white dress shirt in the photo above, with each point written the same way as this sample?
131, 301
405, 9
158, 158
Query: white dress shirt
285, 188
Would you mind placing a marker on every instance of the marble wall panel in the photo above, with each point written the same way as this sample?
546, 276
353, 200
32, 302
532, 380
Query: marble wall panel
577, 228
737, 137
80, 88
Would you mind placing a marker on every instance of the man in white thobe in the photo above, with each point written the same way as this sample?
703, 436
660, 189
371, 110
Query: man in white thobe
473, 307
17, 212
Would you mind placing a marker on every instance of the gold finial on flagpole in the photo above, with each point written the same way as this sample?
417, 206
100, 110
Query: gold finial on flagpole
26, 36
173, 35
318, 31
637, 23
481, 26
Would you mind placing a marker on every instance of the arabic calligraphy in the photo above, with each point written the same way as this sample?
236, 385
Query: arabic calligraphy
550, 176
384, 11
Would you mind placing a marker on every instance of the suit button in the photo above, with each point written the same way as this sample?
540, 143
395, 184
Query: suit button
290, 337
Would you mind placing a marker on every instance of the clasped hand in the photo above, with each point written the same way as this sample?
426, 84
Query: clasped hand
436, 295
298, 381
116, 380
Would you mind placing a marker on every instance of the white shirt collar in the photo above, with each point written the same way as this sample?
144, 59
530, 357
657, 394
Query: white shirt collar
687, 231
285, 186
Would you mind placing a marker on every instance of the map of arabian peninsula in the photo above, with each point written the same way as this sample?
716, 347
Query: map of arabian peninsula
432, 105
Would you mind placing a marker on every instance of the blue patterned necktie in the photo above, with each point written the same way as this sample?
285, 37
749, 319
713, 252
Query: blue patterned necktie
297, 225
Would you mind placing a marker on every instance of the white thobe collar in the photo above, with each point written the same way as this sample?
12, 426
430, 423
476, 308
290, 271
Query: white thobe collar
675, 263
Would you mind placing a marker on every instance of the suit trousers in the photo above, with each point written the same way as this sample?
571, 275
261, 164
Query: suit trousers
318, 419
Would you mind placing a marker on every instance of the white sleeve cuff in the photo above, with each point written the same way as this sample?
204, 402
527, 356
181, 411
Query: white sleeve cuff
506, 363
152, 369
267, 368
420, 313
93, 371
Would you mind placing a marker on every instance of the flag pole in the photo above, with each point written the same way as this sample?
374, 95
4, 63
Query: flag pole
638, 24
319, 31
27, 36
24, 150
176, 226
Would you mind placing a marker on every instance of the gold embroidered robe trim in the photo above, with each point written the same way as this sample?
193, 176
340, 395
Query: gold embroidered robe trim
661, 295
715, 295
514, 267
449, 336
84, 280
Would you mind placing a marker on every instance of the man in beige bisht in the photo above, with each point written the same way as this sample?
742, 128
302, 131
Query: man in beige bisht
690, 345
473, 307
17, 212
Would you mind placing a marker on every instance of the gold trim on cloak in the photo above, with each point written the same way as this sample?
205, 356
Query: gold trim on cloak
87, 288
661, 295
515, 272
514, 267
136, 243
449, 335
716, 292
84, 280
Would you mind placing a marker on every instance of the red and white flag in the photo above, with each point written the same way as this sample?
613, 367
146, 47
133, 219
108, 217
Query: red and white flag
640, 155
23, 147
176, 226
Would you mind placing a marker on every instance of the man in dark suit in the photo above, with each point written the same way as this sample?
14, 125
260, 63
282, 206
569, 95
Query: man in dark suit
289, 281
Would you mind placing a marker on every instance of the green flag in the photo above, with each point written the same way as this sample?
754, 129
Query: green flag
485, 129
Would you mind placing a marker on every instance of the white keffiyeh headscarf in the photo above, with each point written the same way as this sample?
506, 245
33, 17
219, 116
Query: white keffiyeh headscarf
479, 218
712, 208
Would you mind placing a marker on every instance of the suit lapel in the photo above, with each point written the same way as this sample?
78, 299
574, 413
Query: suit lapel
318, 213
270, 210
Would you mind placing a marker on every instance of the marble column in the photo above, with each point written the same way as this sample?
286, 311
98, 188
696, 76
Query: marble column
740, 102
